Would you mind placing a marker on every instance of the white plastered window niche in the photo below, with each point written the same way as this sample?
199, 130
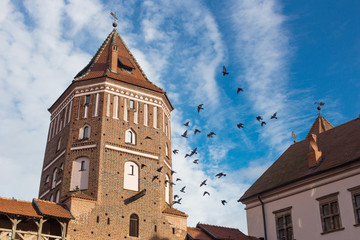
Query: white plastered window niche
84, 132
80, 174
131, 176
130, 136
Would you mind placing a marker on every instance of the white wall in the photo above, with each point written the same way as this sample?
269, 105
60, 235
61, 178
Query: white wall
305, 212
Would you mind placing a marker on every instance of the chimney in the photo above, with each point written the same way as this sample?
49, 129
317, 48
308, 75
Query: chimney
114, 58
314, 154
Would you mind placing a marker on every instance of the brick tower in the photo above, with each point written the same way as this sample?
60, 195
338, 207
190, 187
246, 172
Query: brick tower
108, 152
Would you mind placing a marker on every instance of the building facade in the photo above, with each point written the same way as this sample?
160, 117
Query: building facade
313, 190
108, 152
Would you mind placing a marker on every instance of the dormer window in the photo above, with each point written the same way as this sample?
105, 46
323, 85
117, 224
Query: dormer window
125, 64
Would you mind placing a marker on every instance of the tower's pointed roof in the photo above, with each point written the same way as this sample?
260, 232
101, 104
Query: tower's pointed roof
320, 125
99, 66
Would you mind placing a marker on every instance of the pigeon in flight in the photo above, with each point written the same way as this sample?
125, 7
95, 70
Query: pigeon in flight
175, 151
183, 189
184, 134
166, 181
263, 123
155, 177
187, 155
206, 193
223, 202
259, 118
143, 165
200, 107
172, 172
239, 90
211, 134
178, 179
240, 125
193, 152
196, 161
196, 131
176, 196
147, 137
172, 184
221, 174
159, 169
186, 124
224, 71
203, 183
274, 116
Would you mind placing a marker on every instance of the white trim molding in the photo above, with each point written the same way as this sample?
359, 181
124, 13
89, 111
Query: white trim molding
52, 162
83, 147
120, 149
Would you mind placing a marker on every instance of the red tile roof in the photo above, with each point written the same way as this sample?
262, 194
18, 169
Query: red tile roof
99, 65
174, 211
198, 234
36, 208
47, 208
339, 146
218, 232
18, 207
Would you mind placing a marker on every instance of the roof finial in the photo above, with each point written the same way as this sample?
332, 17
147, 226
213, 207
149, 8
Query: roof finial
294, 136
115, 19
320, 104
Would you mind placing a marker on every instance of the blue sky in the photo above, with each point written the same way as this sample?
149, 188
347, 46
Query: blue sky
285, 54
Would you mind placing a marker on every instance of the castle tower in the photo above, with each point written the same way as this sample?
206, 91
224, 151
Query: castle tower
108, 152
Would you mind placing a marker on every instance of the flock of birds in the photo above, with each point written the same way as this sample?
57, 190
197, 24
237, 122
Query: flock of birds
200, 107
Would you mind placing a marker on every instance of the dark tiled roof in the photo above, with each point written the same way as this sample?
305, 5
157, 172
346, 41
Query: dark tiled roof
99, 65
198, 234
174, 211
18, 207
47, 208
218, 232
37, 208
339, 146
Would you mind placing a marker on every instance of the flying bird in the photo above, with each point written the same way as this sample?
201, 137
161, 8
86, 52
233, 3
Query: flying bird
147, 137
186, 124
176, 196
200, 107
183, 189
172, 172
159, 169
172, 184
263, 123
203, 183
178, 179
223, 202
274, 116
206, 193
259, 118
184, 134
155, 177
175, 151
166, 181
224, 71
239, 200
221, 174
187, 155
193, 151
196, 161
211, 134
143, 165
240, 125
196, 131
239, 90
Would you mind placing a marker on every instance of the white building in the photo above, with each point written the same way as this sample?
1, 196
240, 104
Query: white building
312, 191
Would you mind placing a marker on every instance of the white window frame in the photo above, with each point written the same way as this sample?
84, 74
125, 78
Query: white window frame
130, 136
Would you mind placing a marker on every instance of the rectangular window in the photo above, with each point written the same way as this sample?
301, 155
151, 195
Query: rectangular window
87, 99
284, 227
132, 104
131, 170
329, 212
355, 195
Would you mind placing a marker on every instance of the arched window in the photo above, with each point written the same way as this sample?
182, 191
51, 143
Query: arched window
53, 184
130, 136
80, 174
134, 225
167, 189
131, 176
84, 132
57, 196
